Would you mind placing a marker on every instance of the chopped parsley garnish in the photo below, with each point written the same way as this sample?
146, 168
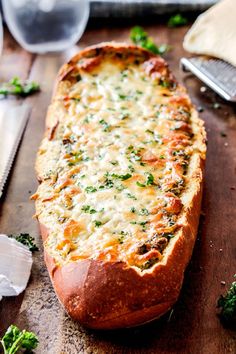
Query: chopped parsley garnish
131, 168
131, 196
144, 211
97, 223
19, 88
149, 181
133, 155
106, 126
133, 210
177, 20
122, 97
149, 263
141, 38
26, 240
120, 187
88, 209
227, 304
121, 177
140, 184
141, 223
122, 237
149, 131
90, 189
14, 340
114, 163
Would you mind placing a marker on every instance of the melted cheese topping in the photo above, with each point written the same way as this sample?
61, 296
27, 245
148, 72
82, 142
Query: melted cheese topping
116, 167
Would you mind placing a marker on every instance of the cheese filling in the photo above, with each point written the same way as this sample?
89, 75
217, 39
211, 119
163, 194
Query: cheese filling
116, 167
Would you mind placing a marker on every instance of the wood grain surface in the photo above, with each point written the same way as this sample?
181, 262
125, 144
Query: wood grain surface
192, 327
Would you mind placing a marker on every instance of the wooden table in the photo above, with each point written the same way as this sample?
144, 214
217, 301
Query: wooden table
193, 327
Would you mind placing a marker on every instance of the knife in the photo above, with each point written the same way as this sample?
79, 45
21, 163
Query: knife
12, 124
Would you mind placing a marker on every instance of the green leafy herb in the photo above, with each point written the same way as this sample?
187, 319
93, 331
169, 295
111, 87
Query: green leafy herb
227, 304
88, 209
144, 211
122, 97
106, 126
121, 177
19, 88
108, 183
26, 240
90, 189
177, 21
149, 181
120, 187
149, 263
140, 37
97, 223
114, 163
131, 196
141, 223
122, 237
15, 339
141, 184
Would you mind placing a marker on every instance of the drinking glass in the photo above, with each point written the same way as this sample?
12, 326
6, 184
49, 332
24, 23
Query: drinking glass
42, 26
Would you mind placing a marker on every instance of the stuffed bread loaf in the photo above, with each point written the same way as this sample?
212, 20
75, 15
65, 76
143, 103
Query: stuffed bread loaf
120, 171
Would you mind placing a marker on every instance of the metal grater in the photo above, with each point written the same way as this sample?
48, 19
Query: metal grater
215, 73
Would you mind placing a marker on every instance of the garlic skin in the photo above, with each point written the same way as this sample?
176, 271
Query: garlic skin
15, 266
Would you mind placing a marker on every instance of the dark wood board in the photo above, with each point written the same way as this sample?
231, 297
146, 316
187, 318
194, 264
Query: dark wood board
193, 327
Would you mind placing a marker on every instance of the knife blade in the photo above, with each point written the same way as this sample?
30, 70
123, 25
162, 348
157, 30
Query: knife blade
12, 124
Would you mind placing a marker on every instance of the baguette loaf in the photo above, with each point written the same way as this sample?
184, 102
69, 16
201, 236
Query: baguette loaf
120, 171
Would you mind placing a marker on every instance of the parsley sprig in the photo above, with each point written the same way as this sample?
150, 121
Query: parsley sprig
141, 38
19, 88
149, 181
15, 339
26, 240
227, 304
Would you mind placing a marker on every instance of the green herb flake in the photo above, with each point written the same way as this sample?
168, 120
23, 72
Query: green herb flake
88, 209
114, 163
144, 211
121, 177
97, 223
90, 189
177, 21
106, 126
122, 97
149, 263
149, 181
131, 196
